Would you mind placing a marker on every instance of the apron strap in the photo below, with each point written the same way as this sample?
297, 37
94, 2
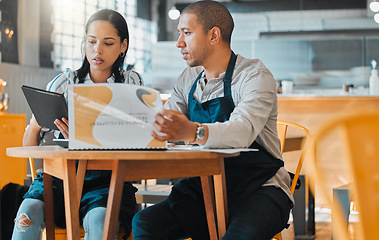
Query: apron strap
227, 79
228, 75
230, 68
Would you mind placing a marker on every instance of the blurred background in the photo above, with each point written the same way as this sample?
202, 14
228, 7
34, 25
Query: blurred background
318, 45
314, 43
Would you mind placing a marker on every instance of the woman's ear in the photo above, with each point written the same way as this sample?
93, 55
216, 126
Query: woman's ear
215, 33
124, 45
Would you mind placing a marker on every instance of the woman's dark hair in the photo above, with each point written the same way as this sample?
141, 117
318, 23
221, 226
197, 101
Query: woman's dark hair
118, 21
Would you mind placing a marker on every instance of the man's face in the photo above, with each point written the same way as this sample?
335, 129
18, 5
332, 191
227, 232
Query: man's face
192, 40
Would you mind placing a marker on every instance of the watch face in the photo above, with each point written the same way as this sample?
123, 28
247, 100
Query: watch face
200, 133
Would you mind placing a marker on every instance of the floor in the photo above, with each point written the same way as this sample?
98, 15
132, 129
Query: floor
323, 232
323, 225
322, 217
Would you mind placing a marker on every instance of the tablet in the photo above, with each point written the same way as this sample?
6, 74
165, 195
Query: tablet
61, 142
46, 106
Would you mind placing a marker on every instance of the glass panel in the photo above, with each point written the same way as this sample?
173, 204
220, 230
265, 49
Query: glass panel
80, 6
58, 26
324, 63
78, 42
79, 30
91, 2
131, 12
372, 50
67, 63
66, 40
68, 29
70, 19
91, 10
284, 57
58, 39
336, 54
77, 64
131, 3
58, 51
67, 52
121, 6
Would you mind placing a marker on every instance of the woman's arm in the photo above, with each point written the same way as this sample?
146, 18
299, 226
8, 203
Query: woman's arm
32, 133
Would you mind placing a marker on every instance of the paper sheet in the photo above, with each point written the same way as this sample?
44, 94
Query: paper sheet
112, 116
219, 150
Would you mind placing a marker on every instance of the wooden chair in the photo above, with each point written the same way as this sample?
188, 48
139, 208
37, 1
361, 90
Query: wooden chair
282, 127
60, 234
359, 134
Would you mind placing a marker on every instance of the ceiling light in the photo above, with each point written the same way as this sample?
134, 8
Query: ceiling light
376, 17
374, 6
174, 13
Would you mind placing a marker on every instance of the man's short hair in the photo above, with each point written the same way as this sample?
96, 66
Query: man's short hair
212, 14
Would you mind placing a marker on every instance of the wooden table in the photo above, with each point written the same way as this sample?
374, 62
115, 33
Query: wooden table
127, 166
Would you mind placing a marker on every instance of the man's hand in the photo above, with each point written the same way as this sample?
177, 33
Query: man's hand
62, 126
175, 126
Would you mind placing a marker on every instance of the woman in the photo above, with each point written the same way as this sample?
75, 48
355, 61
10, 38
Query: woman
106, 44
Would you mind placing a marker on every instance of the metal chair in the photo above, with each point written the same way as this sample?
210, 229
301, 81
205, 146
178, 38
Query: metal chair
360, 141
282, 127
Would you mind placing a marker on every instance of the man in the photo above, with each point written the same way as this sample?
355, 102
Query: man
221, 100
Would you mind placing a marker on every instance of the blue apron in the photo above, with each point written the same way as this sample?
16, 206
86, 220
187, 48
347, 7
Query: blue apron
94, 194
244, 173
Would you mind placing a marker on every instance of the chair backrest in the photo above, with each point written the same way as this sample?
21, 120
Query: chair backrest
360, 139
282, 127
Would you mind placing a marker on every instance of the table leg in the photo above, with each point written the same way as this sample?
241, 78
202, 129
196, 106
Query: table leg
80, 175
71, 200
114, 199
221, 200
209, 202
49, 206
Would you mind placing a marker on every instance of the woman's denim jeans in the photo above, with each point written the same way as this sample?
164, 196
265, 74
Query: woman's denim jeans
29, 222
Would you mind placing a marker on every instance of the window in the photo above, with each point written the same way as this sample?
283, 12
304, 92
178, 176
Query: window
69, 21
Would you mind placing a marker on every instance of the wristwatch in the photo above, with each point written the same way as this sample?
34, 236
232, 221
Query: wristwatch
200, 132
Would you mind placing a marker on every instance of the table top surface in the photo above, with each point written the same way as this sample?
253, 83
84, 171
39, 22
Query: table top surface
59, 152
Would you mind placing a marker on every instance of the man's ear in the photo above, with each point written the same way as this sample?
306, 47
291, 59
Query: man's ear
215, 34
124, 45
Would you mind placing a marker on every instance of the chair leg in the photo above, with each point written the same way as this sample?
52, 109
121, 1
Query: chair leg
341, 198
278, 236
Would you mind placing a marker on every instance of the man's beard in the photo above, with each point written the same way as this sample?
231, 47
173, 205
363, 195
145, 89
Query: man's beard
198, 60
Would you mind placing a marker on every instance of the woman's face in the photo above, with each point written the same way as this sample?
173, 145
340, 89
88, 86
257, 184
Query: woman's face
103, 46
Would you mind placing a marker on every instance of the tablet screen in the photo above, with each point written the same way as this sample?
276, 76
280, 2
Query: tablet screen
46, 106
